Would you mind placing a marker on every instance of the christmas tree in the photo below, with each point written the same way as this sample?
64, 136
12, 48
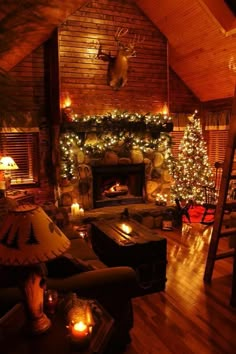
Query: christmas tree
192, 171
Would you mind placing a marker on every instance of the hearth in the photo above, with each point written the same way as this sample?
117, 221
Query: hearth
118, 184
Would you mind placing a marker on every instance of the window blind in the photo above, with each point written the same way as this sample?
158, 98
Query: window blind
216, 144
24, 149
217, 141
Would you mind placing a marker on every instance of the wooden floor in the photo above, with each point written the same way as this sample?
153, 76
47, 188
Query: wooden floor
189, 316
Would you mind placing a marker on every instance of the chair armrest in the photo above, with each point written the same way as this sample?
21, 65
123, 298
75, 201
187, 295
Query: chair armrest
97, 282
83, 265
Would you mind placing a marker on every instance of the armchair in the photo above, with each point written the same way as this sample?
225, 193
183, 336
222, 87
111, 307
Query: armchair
81, 271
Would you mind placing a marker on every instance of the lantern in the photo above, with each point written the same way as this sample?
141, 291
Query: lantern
79, 320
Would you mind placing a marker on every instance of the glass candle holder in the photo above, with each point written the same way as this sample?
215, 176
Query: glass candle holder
80, 322
50, 301
82, 232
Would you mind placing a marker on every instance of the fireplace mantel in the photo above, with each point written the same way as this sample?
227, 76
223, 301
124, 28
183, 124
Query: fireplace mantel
117, 126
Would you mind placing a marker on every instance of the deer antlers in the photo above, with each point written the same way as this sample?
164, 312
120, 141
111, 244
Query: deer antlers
118, 64
121, 32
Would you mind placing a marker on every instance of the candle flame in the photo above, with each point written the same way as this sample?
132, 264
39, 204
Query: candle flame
67, 102
80, 326
165, 109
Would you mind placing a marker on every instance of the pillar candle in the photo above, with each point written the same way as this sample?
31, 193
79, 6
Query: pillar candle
75, 209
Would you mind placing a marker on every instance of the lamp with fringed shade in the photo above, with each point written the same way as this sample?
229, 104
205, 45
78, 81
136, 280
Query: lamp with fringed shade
28, 238
7, 164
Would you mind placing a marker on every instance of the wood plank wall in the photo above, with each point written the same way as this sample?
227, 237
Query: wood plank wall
29, 75
84, 77
182, 99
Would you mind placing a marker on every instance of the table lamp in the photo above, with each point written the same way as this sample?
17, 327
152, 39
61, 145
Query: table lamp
28, 238
7, 164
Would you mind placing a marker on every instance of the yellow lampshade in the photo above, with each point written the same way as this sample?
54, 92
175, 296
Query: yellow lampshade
7, 163
29, 236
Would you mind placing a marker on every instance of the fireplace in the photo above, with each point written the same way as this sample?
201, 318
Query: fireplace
115, 159
118, 184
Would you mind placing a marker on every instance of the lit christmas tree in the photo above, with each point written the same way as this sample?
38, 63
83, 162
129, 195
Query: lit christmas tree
192, 170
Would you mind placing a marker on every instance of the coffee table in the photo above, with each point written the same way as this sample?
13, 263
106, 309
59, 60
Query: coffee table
141, 249
14, 339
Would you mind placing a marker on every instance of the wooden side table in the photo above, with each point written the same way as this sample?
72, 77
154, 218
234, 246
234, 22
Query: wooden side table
14, 339
19, 197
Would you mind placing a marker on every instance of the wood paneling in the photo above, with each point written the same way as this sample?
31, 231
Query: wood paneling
218, 105
29, 75
181, 97
202, 52
84, 77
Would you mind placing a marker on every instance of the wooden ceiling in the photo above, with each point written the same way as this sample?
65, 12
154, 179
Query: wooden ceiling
202, 43
201, 36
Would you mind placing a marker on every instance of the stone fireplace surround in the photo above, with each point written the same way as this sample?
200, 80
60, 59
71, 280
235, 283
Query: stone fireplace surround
156, 176
82, 185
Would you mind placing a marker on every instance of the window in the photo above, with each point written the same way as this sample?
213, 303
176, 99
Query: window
216, 144
217, 140
24, 149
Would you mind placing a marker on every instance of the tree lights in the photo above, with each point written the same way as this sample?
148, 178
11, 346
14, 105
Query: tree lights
192, 170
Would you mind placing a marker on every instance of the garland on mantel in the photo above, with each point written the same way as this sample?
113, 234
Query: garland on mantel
126, 130
119, 121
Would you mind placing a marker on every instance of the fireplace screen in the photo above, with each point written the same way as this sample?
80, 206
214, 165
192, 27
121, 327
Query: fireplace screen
118, 184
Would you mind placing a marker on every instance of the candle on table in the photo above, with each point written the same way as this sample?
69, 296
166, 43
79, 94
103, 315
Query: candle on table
127, 229
50, 301
81, 212
79, 331
80, 322
75, 209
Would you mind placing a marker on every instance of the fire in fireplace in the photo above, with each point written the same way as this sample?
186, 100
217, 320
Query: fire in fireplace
118, 184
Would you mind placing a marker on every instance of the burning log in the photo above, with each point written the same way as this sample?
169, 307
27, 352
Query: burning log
116, 190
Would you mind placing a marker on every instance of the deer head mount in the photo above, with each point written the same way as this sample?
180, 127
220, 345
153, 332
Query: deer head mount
118, 64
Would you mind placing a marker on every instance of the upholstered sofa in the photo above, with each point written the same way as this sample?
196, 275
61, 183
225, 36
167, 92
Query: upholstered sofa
80, 270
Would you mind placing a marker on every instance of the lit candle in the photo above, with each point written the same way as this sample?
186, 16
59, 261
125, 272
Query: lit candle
50, 301
80, 322
165, 109
75, 209
79, 330
81, 212
67, 102
127, 229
